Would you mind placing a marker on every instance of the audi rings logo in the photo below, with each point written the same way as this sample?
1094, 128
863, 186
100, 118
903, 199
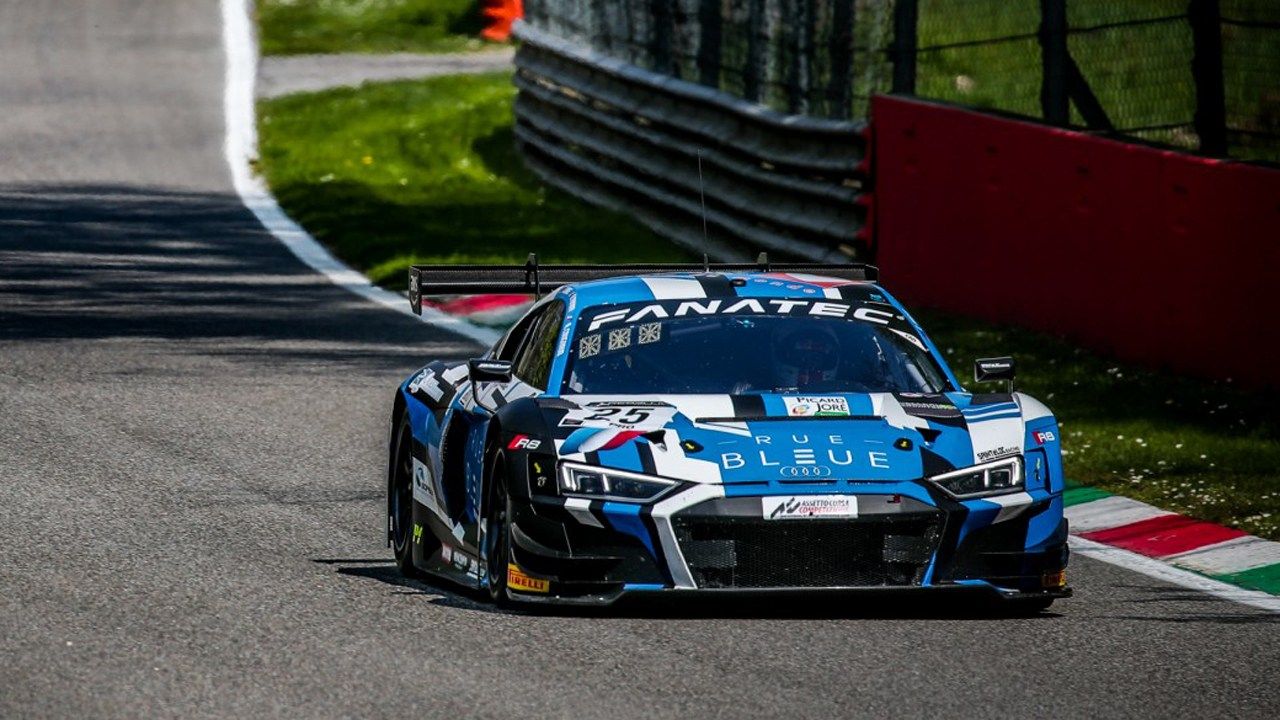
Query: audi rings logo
805, 471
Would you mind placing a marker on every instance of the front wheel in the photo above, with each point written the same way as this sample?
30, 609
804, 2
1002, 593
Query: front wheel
400, 502
497, 537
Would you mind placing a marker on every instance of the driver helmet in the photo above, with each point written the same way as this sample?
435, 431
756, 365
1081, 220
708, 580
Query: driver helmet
806, 357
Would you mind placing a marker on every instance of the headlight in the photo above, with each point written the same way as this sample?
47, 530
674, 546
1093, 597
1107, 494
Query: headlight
993, 478
607, 484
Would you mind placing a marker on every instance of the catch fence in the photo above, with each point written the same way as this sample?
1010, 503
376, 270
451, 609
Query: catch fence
746, 119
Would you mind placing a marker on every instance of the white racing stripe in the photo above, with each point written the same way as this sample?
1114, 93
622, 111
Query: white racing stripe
580, 509
664, 288
1177, 576
994, 439
662, 513
241, 147
1011, 506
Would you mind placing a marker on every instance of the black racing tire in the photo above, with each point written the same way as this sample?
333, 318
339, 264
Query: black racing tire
400, 501
498, 532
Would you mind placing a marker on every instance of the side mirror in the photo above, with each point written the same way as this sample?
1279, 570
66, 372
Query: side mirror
994, 370
487, 371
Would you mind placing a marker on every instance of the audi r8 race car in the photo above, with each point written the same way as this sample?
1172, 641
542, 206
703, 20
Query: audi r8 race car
717, 429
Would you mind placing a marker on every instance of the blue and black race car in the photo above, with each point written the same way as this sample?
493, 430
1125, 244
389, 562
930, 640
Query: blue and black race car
718, 429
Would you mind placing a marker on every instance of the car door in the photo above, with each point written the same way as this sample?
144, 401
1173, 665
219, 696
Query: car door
463, 448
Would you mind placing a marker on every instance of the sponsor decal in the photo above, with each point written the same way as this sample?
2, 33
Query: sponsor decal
523, 442
909, 338
816, 406
566, 331
787, 461
541, 478
446, 553
803, 507
650, 333
805, 471
589, 346
619, 338
995, 453
1044, 437
910, 405
424, 491
417, 534
743, 306
517, 580
621, 415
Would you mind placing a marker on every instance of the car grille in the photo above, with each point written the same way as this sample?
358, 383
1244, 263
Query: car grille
736, 552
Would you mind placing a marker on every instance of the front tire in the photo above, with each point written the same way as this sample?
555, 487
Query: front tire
400, 502
497, 538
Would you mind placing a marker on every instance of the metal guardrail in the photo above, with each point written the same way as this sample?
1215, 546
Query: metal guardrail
630, 140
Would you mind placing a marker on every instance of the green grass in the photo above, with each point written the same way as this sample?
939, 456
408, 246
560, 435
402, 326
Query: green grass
292, 27
1140, 74
426, 171
1203, 448
387, 175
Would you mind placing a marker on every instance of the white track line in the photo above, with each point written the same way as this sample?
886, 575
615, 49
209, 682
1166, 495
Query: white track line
242, 147
1170, 574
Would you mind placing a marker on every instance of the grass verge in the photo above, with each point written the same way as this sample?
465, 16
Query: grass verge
293, 27
426, 171
393, 174
1206, 449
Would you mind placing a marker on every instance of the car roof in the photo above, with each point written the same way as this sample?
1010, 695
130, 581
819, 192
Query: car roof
692, 286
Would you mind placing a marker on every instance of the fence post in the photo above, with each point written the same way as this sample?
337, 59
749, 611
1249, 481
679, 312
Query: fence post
840, 91
905, 26
710, 22
664, 28
1054, 101
808, 32
1205, 17
751, 86
798, 18
601, 37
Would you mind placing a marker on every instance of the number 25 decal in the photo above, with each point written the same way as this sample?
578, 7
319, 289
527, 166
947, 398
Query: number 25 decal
621, 416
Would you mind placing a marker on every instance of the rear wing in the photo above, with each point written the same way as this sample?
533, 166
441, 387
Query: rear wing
534, 279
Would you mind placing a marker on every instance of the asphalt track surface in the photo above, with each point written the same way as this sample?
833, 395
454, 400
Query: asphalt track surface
191, 431
308, 73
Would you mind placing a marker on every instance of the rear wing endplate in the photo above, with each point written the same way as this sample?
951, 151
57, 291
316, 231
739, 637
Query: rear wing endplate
534, 279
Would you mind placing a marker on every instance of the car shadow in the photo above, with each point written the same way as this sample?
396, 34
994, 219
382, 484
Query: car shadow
438, 591
799, 606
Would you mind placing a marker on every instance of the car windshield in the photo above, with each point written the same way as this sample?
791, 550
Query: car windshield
743, 346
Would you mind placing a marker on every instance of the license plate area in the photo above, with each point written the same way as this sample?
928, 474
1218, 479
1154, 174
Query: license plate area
809, 507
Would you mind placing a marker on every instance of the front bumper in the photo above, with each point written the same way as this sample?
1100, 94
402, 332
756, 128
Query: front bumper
702, 541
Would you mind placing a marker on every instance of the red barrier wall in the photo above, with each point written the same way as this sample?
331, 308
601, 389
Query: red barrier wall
1153, 256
